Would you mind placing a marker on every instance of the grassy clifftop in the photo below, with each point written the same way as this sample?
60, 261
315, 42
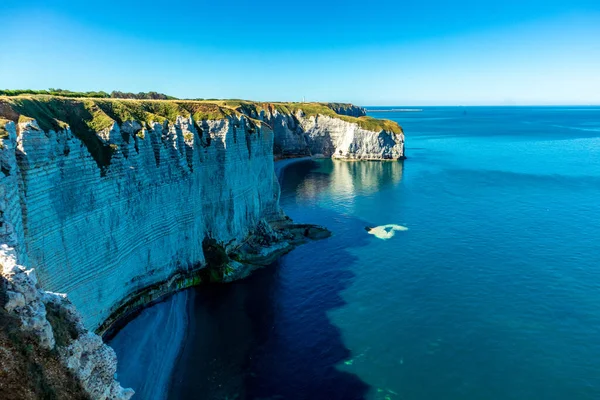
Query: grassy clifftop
312, 109
54, 112
88, 116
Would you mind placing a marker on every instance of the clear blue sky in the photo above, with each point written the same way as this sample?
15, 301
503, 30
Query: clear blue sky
370, 53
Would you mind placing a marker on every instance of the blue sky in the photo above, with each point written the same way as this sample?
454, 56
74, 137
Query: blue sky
370, 53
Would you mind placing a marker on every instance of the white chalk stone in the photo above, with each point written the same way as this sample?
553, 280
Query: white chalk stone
386, 232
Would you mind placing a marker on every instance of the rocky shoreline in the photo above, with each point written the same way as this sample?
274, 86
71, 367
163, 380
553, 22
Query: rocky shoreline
58, 327
264, 247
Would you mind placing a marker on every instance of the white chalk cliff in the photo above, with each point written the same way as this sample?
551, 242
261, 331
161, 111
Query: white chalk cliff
106, 204
340, 131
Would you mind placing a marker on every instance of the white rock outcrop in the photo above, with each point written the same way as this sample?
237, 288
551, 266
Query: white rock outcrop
86, 356
298, 135
336, 138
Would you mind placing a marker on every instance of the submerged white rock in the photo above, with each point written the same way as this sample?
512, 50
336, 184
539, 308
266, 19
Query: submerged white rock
386, 232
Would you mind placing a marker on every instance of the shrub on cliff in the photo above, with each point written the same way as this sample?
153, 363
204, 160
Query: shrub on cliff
64, 330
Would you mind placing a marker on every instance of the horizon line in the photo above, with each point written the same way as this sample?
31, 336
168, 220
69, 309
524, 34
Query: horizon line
486, 105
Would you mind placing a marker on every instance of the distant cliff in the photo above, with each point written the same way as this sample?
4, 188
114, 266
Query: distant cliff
341, 131
348, 109
116, 202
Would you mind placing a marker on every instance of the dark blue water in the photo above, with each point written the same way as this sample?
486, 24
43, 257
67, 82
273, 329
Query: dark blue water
493, 292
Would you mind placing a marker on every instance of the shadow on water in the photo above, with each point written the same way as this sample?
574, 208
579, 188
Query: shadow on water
270, 336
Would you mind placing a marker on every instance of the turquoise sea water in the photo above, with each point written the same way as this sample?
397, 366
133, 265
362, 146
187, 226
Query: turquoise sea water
493, 292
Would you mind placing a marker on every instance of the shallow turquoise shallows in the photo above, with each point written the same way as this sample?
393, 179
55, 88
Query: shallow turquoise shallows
492, 292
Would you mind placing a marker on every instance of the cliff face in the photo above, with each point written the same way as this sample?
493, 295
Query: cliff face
329, 136
101, 234
116, 202
348, 109
329, 130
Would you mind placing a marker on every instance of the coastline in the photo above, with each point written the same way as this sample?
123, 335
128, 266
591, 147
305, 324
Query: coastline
134, 304
282, 164
132, 251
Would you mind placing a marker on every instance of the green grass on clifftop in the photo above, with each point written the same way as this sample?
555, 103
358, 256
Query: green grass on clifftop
312, 109
115, 94
368, 123
88, 116
54, 113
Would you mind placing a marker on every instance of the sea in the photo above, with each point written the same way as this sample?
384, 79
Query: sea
470, 270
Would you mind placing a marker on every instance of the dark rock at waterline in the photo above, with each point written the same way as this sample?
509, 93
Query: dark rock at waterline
277, 239
301, 232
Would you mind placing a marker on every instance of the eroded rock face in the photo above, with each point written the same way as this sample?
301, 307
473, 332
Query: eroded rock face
102, 229
299, 135
348, 109
92, 362
101, 235
336, 138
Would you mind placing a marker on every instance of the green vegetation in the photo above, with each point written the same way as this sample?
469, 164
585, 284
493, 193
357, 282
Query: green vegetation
53, 113
53, 92
312, 109
214, 253
121, 111
102, 95
217, 261
64, 330
88, 116
200, 109
368, 123
141, 96
3, 131
23, 118
84, 118
339, 105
